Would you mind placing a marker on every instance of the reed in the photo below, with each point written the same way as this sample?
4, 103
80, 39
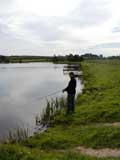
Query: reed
53, 107
18, 135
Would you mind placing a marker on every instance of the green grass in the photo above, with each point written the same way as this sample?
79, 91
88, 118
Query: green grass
16, 152
98, 104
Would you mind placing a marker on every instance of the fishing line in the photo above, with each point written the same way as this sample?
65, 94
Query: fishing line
43, 97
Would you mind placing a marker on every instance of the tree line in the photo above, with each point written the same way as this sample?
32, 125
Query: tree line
55, 58
76, 57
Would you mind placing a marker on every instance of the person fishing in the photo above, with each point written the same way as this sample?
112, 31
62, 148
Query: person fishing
71, 90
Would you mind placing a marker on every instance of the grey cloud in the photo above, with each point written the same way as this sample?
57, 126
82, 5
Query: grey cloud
108, 45
10, 42
3, 31
116, 30
20, 47
87, 13
43, 31
7, 6
4, 3
41, 34
52, 31
47, 29
90, 12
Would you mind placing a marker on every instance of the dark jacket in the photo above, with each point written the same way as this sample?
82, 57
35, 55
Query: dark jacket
71, 88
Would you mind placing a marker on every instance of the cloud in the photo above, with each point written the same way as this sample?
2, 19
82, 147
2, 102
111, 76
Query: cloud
5, 3
4, 32
43, 31
88, 24
108, 45
7, 6
90, 12
116, 29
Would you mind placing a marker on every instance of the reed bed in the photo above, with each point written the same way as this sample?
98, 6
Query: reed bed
53, 107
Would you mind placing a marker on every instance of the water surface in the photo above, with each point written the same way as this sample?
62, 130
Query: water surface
21, 89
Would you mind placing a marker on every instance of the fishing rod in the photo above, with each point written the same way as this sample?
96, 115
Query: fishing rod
53, 93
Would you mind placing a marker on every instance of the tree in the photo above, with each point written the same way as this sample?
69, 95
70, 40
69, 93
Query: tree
55, 59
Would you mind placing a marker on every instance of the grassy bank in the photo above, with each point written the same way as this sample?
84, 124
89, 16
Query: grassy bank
98, 105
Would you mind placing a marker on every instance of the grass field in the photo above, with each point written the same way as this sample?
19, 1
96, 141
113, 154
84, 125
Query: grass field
98, 105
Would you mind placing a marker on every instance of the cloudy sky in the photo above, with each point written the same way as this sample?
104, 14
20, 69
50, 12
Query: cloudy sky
47, 27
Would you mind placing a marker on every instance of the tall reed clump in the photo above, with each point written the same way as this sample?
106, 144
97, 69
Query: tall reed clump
18, 135
53, 108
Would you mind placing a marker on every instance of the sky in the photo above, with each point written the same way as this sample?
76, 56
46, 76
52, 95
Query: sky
48, 27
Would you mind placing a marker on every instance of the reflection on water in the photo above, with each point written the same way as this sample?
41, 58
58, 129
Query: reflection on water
21, 85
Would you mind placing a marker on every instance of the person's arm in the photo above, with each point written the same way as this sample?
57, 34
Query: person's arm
67, 88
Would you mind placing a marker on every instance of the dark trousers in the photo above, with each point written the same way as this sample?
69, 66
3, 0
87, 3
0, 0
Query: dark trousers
70, 103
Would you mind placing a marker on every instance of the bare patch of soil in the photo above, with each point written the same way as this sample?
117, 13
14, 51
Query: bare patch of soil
99, 152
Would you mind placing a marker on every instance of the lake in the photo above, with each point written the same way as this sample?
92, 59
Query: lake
23, 92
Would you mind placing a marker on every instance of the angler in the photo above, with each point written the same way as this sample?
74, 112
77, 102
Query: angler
71, 90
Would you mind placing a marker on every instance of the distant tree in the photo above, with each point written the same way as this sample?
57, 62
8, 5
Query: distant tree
114, 57
70, 58
20, 60
4, 59
55, 59
91, 56
74, 58
101, 56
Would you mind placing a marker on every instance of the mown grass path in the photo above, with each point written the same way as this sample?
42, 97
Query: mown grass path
95, 124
